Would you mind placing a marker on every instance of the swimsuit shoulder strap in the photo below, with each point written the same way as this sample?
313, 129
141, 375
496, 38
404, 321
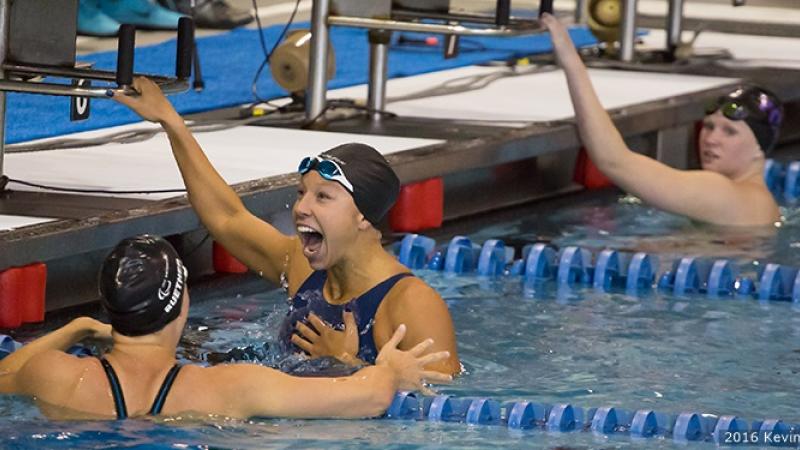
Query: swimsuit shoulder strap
370, 300
116, 389
161, 397
383, 288
314, 281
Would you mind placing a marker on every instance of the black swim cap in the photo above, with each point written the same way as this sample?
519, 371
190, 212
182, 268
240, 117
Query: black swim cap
141, 284
759, 108
375, 185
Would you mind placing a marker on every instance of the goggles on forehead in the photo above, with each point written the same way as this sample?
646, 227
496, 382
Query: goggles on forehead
758, 106
327, 168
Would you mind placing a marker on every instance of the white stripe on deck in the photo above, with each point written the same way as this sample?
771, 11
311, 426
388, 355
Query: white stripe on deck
268, 12
239, 154
534, 97
711, 11
11, 222
748, 50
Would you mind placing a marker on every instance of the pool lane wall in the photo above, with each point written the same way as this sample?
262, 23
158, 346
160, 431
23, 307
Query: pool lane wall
493, 168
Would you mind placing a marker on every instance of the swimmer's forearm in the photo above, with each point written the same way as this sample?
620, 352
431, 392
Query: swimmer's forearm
367, 393
601, 138
351, 360
60, 339
265, 392
213, 199
597, 131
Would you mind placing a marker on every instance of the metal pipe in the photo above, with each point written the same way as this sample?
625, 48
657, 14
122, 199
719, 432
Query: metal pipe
378, 64
483, 19
580, 11
396, 25
5, 15
74, 72
674, 25
318, 56
628, 31
77, 91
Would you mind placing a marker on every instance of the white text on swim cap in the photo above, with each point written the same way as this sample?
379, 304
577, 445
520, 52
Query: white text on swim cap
178, 288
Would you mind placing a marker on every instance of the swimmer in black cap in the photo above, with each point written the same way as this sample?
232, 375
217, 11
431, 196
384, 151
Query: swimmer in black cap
144, 293
348, 293
737, 131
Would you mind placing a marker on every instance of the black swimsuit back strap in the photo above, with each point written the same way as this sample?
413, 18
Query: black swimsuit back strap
116, 389
161, 398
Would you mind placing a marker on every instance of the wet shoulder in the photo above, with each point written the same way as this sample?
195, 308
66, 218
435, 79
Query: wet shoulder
77, 380
410, 291
757, 203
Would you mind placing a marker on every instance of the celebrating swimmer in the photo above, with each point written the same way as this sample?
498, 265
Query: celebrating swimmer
737, 131
143, 287
349, 294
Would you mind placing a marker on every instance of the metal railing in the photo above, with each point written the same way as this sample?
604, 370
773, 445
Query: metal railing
500, 25
17, 77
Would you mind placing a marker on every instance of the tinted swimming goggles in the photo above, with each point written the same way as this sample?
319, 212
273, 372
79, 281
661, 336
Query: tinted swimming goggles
327, 168
755, 105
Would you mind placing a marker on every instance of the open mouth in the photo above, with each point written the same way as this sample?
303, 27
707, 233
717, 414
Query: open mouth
311, 239
709, 156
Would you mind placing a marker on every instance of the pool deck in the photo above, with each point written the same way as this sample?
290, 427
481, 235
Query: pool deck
486, 165
264, 176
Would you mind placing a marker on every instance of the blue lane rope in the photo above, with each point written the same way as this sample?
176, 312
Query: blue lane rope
610, 270
525, 415
783, 180
642, 423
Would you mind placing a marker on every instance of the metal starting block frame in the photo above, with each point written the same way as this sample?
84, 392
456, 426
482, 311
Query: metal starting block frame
502, 24
26, 59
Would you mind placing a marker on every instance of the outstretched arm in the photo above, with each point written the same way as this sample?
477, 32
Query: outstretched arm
256, 243
60, 339
702, 195
260, 391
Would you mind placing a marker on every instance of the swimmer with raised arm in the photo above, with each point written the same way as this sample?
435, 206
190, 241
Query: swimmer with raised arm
348, 293
737, 131
143, 287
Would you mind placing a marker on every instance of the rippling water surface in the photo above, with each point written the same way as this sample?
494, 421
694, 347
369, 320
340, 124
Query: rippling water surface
734, 356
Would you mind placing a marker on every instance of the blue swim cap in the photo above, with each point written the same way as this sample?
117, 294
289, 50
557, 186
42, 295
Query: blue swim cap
141, 284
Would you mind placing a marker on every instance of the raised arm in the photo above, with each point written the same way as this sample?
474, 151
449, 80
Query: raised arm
60, 339
256, 243
248, 390
700, 194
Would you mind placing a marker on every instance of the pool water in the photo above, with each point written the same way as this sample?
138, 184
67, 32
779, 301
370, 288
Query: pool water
578, 346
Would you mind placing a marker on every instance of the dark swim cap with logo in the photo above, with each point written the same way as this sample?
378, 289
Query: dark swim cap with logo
759, 108
375, 185
142, 283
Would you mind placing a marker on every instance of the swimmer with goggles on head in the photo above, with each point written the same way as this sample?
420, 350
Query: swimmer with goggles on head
739, 129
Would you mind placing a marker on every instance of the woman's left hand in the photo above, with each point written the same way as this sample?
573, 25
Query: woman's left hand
324, 340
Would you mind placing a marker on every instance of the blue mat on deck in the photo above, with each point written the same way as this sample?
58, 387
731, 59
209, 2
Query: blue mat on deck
229, 62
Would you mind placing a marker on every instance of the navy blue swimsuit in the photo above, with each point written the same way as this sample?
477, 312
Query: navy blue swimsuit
309, 298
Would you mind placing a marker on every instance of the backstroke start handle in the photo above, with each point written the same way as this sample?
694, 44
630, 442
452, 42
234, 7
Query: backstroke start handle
183, 58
